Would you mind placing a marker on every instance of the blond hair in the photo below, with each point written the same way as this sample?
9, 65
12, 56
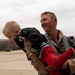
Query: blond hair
11, 26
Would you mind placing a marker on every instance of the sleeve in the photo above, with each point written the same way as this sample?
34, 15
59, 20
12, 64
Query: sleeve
49, 57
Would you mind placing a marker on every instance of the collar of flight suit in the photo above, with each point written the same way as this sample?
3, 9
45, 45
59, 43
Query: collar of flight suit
59, 34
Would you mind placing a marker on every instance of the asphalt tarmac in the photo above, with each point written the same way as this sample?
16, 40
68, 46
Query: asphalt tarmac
15, 63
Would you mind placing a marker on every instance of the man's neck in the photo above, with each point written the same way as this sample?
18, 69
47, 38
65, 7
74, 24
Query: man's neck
53, 36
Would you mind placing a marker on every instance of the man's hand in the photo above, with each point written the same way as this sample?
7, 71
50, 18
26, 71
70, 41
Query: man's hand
33, 56
27, 46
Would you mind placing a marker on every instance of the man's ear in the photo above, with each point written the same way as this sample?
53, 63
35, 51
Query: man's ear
55, 21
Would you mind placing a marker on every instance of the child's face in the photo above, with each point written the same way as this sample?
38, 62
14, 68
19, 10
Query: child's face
11, 35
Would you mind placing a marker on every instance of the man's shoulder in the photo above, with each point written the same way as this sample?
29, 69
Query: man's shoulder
71, 39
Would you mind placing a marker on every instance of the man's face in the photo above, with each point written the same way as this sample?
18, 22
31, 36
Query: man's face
47, 23
11, 35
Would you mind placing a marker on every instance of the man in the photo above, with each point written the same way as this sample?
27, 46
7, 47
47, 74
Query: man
56, 38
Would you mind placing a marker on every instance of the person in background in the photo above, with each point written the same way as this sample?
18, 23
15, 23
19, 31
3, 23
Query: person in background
58, 40
32, 42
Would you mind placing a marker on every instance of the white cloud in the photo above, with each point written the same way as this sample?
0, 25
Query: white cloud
27, 13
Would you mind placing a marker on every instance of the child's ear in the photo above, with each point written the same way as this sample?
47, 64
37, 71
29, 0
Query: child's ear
16, 31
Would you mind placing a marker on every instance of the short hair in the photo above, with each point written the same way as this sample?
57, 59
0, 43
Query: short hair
11, 25
52, 15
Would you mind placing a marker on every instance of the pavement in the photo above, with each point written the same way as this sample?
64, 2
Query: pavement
15, 63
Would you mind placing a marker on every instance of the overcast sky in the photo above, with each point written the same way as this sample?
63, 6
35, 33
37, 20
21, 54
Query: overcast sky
27, 13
